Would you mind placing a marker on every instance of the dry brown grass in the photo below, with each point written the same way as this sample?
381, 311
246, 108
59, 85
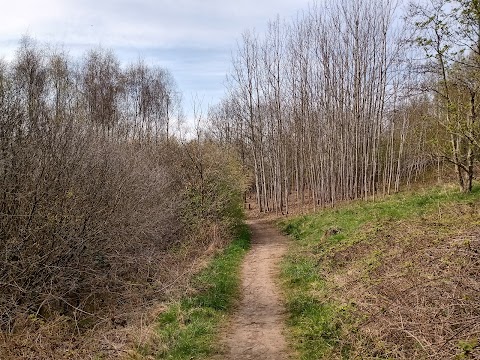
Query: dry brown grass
117, 330
415, 287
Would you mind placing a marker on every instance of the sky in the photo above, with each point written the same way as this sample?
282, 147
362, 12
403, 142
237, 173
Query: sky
193, 39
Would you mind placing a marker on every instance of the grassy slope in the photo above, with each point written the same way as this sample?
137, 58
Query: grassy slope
188, 329
397, 278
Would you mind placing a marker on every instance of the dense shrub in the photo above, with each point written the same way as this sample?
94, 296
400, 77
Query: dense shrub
94, 191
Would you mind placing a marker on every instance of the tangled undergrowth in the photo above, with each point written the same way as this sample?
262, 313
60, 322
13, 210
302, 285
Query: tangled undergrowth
104, 213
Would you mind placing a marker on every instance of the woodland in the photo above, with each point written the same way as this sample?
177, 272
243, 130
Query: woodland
350, 100
105, 208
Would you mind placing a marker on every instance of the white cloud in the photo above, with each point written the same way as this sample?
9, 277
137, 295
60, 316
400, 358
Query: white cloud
193, 38
141, 23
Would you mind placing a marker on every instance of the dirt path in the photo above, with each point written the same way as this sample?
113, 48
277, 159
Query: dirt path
256, 331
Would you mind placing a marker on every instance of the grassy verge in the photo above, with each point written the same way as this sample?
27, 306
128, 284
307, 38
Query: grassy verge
188, 328
366, 280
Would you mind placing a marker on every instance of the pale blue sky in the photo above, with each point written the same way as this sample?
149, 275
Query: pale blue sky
192, 38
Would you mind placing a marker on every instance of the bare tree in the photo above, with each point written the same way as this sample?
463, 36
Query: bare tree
317, 97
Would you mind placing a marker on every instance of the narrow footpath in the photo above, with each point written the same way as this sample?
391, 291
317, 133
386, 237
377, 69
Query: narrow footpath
257, 327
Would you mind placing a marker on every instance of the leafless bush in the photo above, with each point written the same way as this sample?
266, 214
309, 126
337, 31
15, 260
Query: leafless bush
94, 191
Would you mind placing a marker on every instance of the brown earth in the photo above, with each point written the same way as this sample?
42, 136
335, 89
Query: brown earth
257, 328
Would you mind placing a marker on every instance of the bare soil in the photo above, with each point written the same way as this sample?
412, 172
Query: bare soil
257, 328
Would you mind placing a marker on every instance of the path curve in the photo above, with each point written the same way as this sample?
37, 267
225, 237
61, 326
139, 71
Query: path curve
257, 328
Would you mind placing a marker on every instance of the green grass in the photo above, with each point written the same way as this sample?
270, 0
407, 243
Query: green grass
188, 329
348, 219
317, 321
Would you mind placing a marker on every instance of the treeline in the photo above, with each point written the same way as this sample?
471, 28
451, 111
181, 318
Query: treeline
332, 105
95, 189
